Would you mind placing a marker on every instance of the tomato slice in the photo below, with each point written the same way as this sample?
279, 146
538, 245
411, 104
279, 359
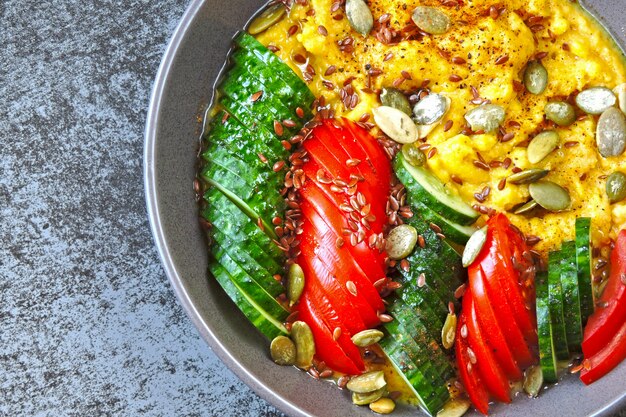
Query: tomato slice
340, 260
607, 319
495, 339
468, 373
496, 263
605, 360
359, 312
326, 347
491, 373
377, 158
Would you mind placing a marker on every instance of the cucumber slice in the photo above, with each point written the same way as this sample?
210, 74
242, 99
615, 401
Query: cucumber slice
424, 186
555, 303
571, 297
547, 357
266, 324
452, 231
583, 262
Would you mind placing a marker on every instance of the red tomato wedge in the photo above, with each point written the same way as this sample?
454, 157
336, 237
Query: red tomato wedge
600, 335
342, 199
468, 373
606, 359
488, 321
490, 371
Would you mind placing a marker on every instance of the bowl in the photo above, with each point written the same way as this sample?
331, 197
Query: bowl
182, 90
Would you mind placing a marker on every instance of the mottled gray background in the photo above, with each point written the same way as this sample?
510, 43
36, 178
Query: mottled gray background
89, 325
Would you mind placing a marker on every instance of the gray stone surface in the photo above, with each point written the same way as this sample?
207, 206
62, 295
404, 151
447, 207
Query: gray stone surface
89, 325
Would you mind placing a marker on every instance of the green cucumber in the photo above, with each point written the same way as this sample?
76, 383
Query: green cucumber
547, 356
248, 285
424, 186
248, 42
452, 231
555, 303
571, 297
421, 301
583, 262
265, 323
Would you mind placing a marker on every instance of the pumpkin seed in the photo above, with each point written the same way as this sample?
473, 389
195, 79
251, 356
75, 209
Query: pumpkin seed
295, 283
487, 117
455, 408
473, 246
550, 196
448, 332
611, 133
283, 351
395, 124
527, 207
267, 19
542, 145
383, 406
560, 112
535, 77
430, 109
401, 241
367, 337
392, 97
595, 100
413, 155
620, 92
305, 344
368, 397
424, 130
431, 20
528, 176
360, 16
533, 381
367, 382
616, 187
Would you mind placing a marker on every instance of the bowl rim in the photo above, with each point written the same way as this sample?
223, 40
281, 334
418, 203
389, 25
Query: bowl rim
154, 216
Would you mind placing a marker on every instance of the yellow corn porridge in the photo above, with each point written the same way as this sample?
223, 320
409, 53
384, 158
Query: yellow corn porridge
481, 57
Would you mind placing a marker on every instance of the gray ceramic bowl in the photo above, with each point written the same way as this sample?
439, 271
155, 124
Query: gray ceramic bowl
182, 90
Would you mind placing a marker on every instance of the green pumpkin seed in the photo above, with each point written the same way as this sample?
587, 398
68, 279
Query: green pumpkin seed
455, 408
305, 344
595, 100
560, 112
611, 133
620, 92
368, 382
542, 145
367, 337
267, 19
528, 176
295, 283
392, 97
413, 155
360, 16
431, 20
401, 241
283, 351
616, 187
383, 406
473, 246
533, 381
368, 397
448, 332
535, 77
395, 124
526, 208
550, 196
430, 109
487, 117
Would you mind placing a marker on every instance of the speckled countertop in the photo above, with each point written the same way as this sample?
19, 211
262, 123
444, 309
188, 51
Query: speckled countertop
89, 325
